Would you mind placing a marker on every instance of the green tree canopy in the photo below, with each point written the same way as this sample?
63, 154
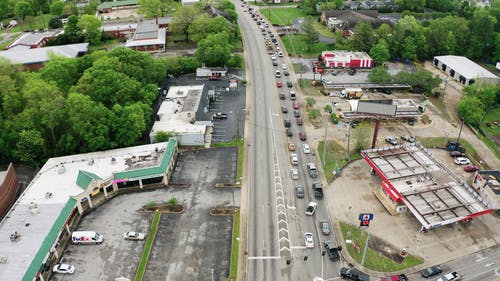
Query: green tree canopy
409, 41
22, 9
364, 37
380, 52
311, 34
57, 8
205, 25
183, 18
448, 36
30, 147
91, 28
215, 49
157, 8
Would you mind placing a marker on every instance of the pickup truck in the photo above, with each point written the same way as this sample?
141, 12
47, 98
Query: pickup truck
353, 274
318, 190
332, 250
219, 116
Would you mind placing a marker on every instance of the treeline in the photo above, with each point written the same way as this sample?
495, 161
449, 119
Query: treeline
75, 105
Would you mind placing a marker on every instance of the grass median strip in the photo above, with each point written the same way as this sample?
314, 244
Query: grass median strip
141, 269
235, 246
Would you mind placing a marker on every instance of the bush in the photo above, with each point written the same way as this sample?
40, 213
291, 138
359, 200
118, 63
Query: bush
329, 108
235, 61
334, 118
55, 22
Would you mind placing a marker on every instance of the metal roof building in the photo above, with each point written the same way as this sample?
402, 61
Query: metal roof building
413, 179
39, 219
464, 70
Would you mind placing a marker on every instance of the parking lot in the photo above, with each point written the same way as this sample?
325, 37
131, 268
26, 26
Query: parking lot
188, 246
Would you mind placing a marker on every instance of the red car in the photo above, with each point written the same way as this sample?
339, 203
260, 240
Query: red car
296, 105
302, 136
470, 168
279, 84
400, 277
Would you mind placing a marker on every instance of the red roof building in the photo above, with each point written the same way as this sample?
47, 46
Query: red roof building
346, 59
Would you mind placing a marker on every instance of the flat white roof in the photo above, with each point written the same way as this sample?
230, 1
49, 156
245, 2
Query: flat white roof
465, 67
170, 121
34, 223
39, 55
160, 40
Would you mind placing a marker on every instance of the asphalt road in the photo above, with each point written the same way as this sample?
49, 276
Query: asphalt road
276, 219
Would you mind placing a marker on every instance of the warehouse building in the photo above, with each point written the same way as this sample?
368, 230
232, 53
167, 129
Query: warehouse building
464, 70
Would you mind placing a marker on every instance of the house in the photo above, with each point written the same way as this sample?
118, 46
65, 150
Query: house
347, 20
464, 70
9, 184
108, 7
211, 73
34, 59
148, 36
41, 221
183, 114
346, 59
487, 184
34, 40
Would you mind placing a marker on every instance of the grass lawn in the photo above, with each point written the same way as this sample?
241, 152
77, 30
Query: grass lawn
335, 157
104, 45
235, 246
492, 130
141, 269
30, 23
8, 42
296, 45
282, 16
323, 30
373, 260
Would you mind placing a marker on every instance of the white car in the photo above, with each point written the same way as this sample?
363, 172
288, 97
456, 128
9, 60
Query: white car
311, 208
284, 66
391, 140
63, 268
132, 235
294, 159
309, 240
273, 57
280, 54
306, 148
295, 174
452, 276
326, 80
462, 161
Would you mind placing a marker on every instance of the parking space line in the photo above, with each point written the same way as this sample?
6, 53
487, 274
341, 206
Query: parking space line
265, 258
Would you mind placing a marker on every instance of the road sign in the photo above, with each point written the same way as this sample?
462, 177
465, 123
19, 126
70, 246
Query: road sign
367, 216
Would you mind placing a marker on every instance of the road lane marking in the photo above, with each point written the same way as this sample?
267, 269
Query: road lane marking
265, 258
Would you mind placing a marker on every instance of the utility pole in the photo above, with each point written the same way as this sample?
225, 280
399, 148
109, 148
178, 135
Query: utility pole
325, 141
348, 141
366, 247
460, 132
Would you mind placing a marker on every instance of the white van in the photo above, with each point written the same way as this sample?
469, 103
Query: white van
86, 237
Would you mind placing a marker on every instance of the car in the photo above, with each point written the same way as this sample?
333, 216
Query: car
306, 148
294, 159
471, 168
219, 116
452, 276
302, 136
456, 153
399, 277
326, 80
313, 171
353, 274
324, 225
411, 121
282, 96
280, 54
332, 250
132, 235
284, 109
300, 121
431, 271
409, 138
392, 140
277, 74
296, 105
287, 123
296, 113
279, 84
278, 49
462, 161
273, 57
299, 191
289, 132
311, 208
289, 84
318, 190
309, 240
295, 174
275, 63
283, 66
291, 146
63, 268
266, 24
286, 73
293, 95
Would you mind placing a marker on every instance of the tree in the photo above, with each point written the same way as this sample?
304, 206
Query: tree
483, 34
55, 23
156, 8
162, 136
380, 75
91, 28
183, 18
361, 137
442, 5
56, 8
471, 109
384, 31
408, 49
364, 37
61, 70
235, 61
313, 113
205, 25
310, 102
215, 49
30, 147
448, 35
22, 9
308, 6
311, 34
380, 52
129, 122
421, 82
411, 5
409, 40
72, 29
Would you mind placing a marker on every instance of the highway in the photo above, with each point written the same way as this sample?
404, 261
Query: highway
276, 220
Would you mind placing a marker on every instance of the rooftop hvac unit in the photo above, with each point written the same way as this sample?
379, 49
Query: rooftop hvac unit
113, 160
91, 162
61, 170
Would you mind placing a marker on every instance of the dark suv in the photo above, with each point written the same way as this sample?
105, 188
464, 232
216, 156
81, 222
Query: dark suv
431, 271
